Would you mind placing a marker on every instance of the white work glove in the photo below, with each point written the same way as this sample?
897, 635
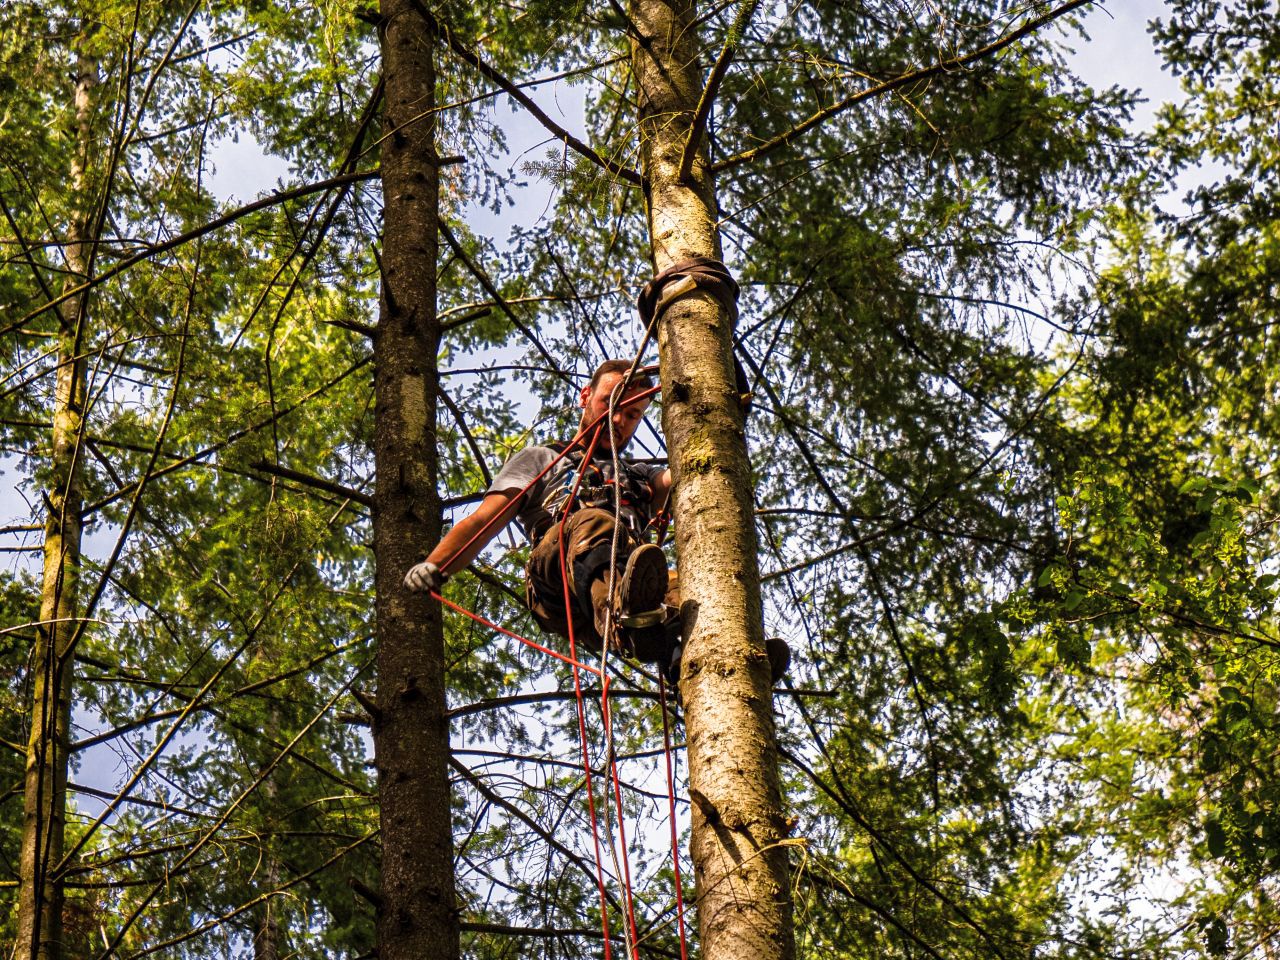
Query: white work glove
425, 577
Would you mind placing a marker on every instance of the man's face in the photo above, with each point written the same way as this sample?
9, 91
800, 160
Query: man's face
595, 402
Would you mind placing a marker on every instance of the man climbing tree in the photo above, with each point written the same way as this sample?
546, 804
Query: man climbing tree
588, 512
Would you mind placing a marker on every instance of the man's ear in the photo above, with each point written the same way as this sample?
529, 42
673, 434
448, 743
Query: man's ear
584, 396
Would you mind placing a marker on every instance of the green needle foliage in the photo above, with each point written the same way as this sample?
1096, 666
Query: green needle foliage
1013, 424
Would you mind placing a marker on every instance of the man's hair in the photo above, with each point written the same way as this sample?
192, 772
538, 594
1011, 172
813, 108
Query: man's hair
641, 381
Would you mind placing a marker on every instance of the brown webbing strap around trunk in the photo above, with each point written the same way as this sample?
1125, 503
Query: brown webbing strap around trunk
695, 273
702, 273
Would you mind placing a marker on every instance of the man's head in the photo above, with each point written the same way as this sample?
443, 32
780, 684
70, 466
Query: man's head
594, 400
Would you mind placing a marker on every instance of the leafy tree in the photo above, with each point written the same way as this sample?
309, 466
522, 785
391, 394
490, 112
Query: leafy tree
963, 528
887, 356
166, 388
1164, 588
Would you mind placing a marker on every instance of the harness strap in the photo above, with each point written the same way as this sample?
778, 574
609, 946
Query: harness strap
696, 273
598, 492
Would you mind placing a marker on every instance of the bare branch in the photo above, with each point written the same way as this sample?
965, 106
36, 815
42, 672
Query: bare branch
514, 91
483, 278
703, 111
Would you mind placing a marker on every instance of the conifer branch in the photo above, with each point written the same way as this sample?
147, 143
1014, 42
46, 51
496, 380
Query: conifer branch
544, 932
208, 835
846, 803
192, 705
478, 272
836, 884
248, 905
318, 483
263, 203
902, 80
548, 696
513, 90
474, 446
158, 716
232, 438
547, 836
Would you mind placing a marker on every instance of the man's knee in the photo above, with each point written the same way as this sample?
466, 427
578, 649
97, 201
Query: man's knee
589, 525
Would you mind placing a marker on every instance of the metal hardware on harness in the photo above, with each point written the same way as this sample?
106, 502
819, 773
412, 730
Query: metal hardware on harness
596, 490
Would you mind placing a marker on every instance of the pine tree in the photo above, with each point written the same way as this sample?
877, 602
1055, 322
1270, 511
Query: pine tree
416, 912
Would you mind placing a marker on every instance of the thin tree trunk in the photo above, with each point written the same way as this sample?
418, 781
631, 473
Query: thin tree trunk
417, 916
743, 897
266, 918
40, 898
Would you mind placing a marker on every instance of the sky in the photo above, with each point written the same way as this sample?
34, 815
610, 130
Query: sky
1118, 51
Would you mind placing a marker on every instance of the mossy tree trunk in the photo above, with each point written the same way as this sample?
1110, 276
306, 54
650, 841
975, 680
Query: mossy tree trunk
741, 870
417, 914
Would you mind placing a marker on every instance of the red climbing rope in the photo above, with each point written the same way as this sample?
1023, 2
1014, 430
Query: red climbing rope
671, 817
515, 636
577, 689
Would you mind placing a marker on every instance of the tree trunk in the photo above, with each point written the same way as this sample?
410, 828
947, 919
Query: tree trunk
417, 917
266, 917
44, 801
743, 899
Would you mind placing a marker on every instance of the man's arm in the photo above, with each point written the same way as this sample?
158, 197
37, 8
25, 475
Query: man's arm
452, 553
464, 541
661, 489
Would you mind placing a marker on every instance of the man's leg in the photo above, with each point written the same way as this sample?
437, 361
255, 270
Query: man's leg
660, 645
638, 571
589, 556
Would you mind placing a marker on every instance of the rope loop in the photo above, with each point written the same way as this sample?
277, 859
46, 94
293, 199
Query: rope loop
695, 273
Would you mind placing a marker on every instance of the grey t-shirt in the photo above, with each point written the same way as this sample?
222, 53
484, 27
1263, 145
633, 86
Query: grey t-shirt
541, 497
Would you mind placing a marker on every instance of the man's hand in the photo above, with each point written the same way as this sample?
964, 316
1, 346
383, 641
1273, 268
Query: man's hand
425, 577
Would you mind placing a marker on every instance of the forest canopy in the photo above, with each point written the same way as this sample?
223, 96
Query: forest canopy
999, 479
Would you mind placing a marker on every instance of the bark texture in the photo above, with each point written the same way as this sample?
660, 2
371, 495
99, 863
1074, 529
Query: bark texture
741, 871
40, 898
417, 917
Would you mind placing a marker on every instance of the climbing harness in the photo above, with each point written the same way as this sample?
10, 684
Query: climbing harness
598, 485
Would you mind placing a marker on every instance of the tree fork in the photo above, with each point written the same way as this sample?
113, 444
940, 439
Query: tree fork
738, 831
418, 917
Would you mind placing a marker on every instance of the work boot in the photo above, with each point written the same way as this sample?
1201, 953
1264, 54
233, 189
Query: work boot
653, 644
644, 584
779, 658
672, 670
